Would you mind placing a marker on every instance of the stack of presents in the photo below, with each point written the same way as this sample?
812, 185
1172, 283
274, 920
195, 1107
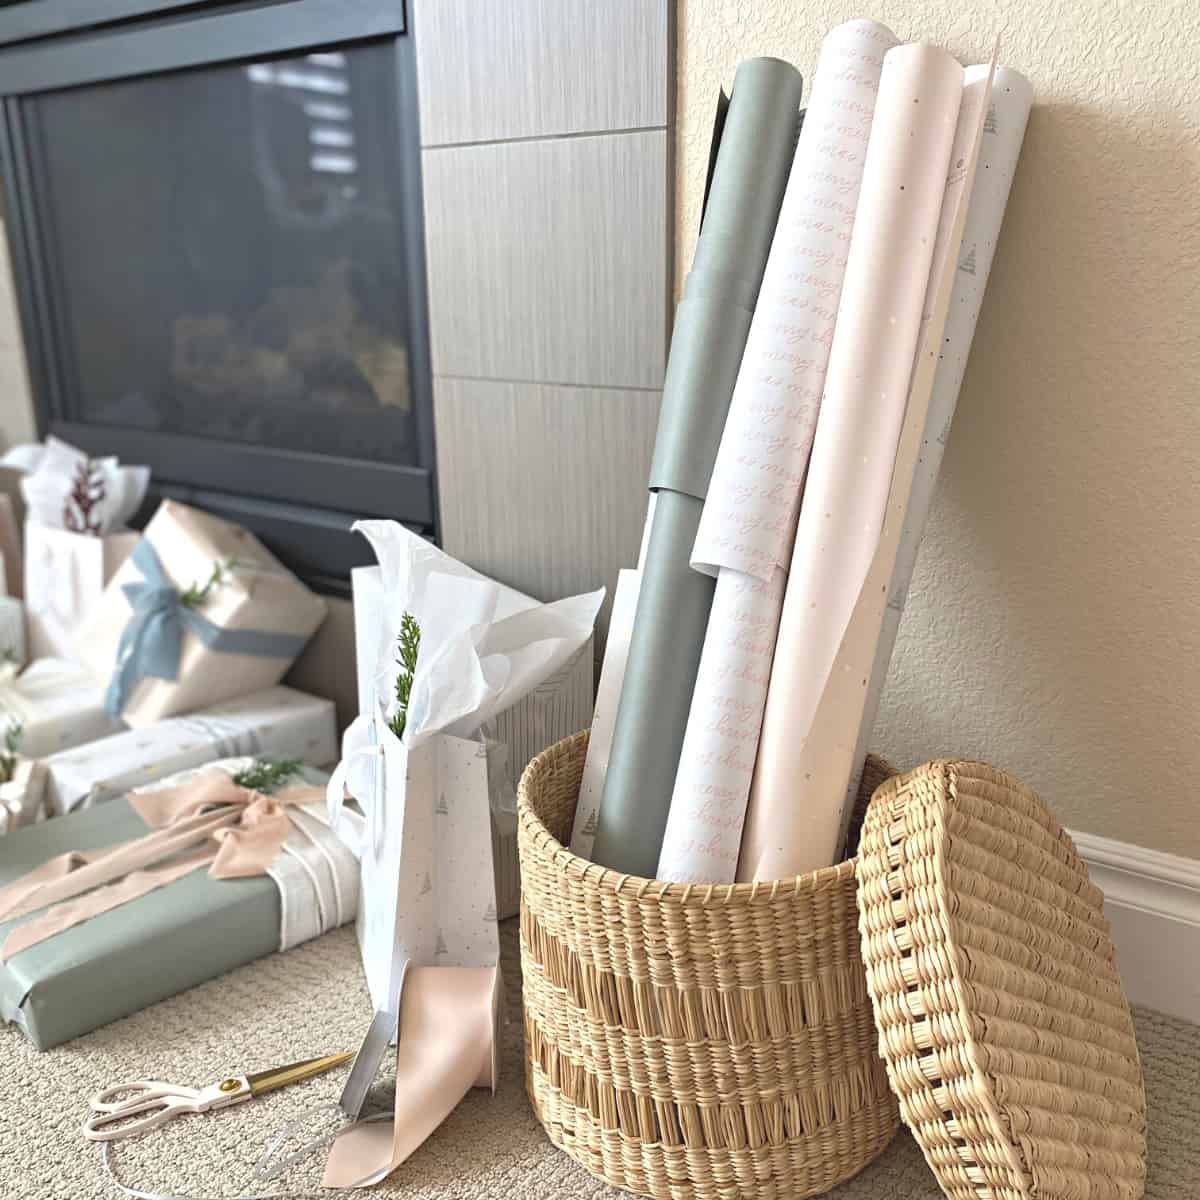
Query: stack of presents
134, 663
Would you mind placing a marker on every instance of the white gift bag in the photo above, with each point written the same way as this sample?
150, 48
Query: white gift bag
65, 576
427, 890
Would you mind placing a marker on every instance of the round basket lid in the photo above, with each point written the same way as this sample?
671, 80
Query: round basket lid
1002, 1020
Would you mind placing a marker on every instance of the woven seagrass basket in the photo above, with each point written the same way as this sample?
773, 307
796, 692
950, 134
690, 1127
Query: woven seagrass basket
694, 1042
761, 1040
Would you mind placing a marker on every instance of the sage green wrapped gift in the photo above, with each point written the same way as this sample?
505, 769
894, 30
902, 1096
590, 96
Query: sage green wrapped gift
118, 962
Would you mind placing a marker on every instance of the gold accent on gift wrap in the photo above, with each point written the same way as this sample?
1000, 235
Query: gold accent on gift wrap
694, 1043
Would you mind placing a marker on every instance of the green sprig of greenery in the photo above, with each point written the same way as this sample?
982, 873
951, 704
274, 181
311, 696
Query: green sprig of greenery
267, 774
197, 594
408, 643
12, 745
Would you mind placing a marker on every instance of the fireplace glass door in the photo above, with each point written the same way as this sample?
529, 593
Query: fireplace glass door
215, 218
228, 255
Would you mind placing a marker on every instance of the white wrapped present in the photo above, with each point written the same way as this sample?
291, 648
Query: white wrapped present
12, 631
57, 704
201, 612
278, 722
65, 576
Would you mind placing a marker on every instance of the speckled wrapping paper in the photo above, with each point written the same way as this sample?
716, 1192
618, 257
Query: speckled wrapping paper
920, 164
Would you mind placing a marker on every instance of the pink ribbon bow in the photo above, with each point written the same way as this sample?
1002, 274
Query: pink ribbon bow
207, 822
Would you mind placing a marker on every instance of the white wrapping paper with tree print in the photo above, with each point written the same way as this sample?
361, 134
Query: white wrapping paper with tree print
428, 893
867, 446
999, 149
277, 722
749, 518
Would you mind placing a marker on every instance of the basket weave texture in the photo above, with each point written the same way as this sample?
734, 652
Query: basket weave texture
1007, 1035
690, 1042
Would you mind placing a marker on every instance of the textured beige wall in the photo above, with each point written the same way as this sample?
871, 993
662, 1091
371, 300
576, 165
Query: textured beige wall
1053, 627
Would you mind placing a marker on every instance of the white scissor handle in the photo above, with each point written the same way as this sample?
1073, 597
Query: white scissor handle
148, 1104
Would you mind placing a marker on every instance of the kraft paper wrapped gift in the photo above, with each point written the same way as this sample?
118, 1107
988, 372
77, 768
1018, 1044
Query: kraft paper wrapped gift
182, 934
277, 722
57, 704
558, 707
65, 577
201, 612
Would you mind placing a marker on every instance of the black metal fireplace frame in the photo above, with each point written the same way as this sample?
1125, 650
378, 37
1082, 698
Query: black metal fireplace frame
302, 504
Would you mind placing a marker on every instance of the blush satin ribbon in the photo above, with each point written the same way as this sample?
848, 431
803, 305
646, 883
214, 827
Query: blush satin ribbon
207, 822
447, 1045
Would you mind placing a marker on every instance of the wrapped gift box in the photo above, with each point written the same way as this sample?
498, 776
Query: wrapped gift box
22, 798
12, 631
277, 722
58, 706
212, 599
559, 707
116, 963
65, 577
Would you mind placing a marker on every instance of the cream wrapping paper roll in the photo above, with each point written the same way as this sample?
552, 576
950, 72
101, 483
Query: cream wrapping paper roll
789, 817
999, 149
749, 517
604, 716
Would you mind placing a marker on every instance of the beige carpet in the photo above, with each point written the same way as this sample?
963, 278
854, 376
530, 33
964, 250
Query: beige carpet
312, 1001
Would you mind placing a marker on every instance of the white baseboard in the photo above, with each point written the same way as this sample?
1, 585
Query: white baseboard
1152, 900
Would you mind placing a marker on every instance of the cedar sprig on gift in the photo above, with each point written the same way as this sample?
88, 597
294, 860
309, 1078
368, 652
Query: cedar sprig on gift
81, 509
408, 643
8, 756
197, 594
267, 774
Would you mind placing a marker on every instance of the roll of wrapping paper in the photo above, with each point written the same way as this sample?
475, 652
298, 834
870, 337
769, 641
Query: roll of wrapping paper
757, 141
749, 517
595, 766
792, 816
999, 149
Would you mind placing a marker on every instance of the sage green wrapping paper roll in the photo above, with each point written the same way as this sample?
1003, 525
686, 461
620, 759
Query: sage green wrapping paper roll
757, 142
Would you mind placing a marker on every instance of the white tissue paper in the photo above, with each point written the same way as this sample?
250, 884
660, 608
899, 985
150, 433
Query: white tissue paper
65, 489
428, 890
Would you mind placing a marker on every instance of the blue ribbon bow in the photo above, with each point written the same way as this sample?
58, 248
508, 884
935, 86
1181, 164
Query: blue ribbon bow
152, 640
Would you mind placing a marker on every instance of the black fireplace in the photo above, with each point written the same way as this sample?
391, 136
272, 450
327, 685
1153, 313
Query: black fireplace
214, 213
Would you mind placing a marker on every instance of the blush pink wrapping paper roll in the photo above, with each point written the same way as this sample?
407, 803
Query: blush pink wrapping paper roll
794, 813
749, 518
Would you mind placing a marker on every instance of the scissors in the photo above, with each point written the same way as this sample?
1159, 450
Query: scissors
145, 1104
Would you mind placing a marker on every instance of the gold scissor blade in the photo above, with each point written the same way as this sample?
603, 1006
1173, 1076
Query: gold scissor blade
268, 1081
